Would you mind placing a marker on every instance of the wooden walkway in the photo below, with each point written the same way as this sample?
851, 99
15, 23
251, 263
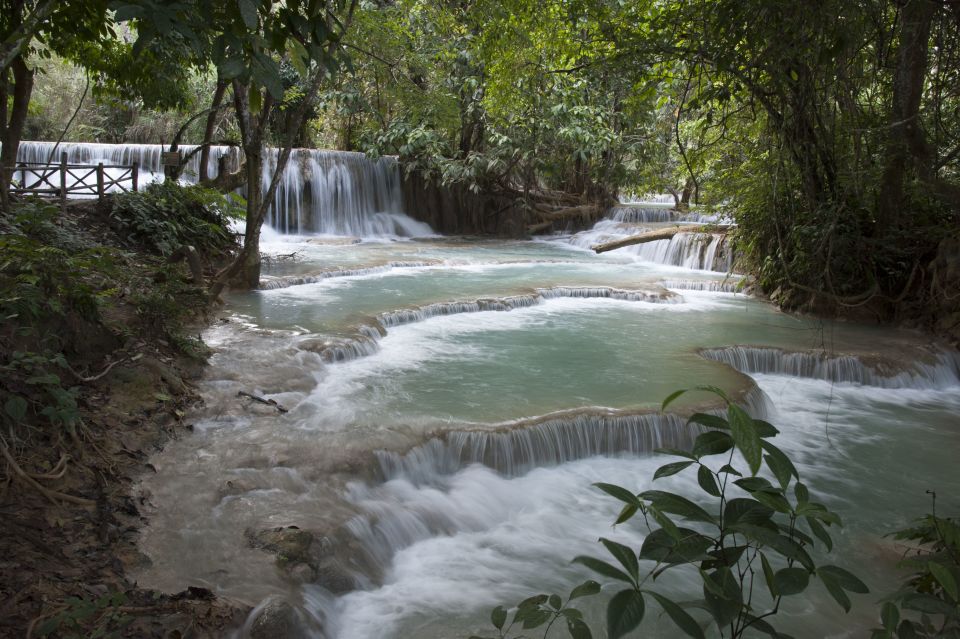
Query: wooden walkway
66, 180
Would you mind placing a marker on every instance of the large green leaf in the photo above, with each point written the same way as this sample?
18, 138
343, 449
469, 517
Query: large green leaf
707, 481
781, 543
745, 435
624, 613
747, 511
677, 505
713, 442
846, 579
679, 616
585, 589
619, 492
578, 629
724, 599
946, 579
602, 567
783, 469
498, 616
623, 554
671, 397
708, 420
670, 469
661, 547
791, 581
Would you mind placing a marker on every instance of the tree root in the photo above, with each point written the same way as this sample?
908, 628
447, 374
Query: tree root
93, 378
25, 477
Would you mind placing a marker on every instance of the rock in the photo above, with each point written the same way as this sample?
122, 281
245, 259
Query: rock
279, 619
334, 577
290, 544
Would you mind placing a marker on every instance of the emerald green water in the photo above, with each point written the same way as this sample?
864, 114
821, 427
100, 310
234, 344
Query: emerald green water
472, 538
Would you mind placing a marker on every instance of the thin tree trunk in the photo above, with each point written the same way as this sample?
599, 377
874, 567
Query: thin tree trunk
907, 142
202, 175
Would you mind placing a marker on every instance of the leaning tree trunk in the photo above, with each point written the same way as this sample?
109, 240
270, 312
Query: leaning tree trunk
210, 128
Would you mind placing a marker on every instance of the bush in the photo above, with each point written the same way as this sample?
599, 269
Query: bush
166, 215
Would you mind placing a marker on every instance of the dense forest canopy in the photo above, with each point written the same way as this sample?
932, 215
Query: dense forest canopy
829, 130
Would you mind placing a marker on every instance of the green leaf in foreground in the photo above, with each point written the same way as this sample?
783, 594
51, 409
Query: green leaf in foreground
679, 616
624, 613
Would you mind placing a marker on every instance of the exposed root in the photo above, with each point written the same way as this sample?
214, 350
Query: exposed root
25, 477
93, 378
58, 471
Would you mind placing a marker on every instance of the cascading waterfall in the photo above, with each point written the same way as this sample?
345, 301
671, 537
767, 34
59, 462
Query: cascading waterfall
944, 373
365, 342
330, 192
339, 193
641, 214
700, 251
713, 286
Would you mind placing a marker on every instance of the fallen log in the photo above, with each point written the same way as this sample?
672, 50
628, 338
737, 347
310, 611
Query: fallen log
653, 236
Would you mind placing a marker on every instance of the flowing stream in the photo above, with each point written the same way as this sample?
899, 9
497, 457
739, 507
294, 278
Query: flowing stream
450, 402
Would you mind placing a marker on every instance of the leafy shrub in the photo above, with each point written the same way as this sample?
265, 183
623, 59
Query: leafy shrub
932, 592
751, 535
166, 215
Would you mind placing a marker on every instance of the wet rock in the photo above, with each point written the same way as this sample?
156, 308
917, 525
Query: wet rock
279, 619
291, 544
234, 487
333, 562
334, 577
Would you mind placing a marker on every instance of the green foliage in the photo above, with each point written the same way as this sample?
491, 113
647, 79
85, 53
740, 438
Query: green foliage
751, 535
928, 604
100, 618
166, 215
544, 611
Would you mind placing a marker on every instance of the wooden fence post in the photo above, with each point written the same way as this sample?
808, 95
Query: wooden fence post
100, 180
63, 181
23, 176
134, 175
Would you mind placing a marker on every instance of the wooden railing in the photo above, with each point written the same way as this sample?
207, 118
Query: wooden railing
71, 180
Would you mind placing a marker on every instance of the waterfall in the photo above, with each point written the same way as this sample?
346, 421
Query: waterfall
701, 251
331, 192
339, 193
641, 214
713, 286
943, 373
407, 316
517, 449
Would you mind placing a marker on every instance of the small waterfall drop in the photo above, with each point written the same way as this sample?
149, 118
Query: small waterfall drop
944, 372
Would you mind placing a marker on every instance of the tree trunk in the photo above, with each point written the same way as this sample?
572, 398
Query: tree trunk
208, 131
907, 141
654, 236
13, 122
684, 203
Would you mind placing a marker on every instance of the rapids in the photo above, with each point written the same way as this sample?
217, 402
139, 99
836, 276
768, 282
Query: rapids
451, 401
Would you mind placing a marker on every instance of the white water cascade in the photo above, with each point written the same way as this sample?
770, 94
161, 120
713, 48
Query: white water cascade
326, 192
451, 402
